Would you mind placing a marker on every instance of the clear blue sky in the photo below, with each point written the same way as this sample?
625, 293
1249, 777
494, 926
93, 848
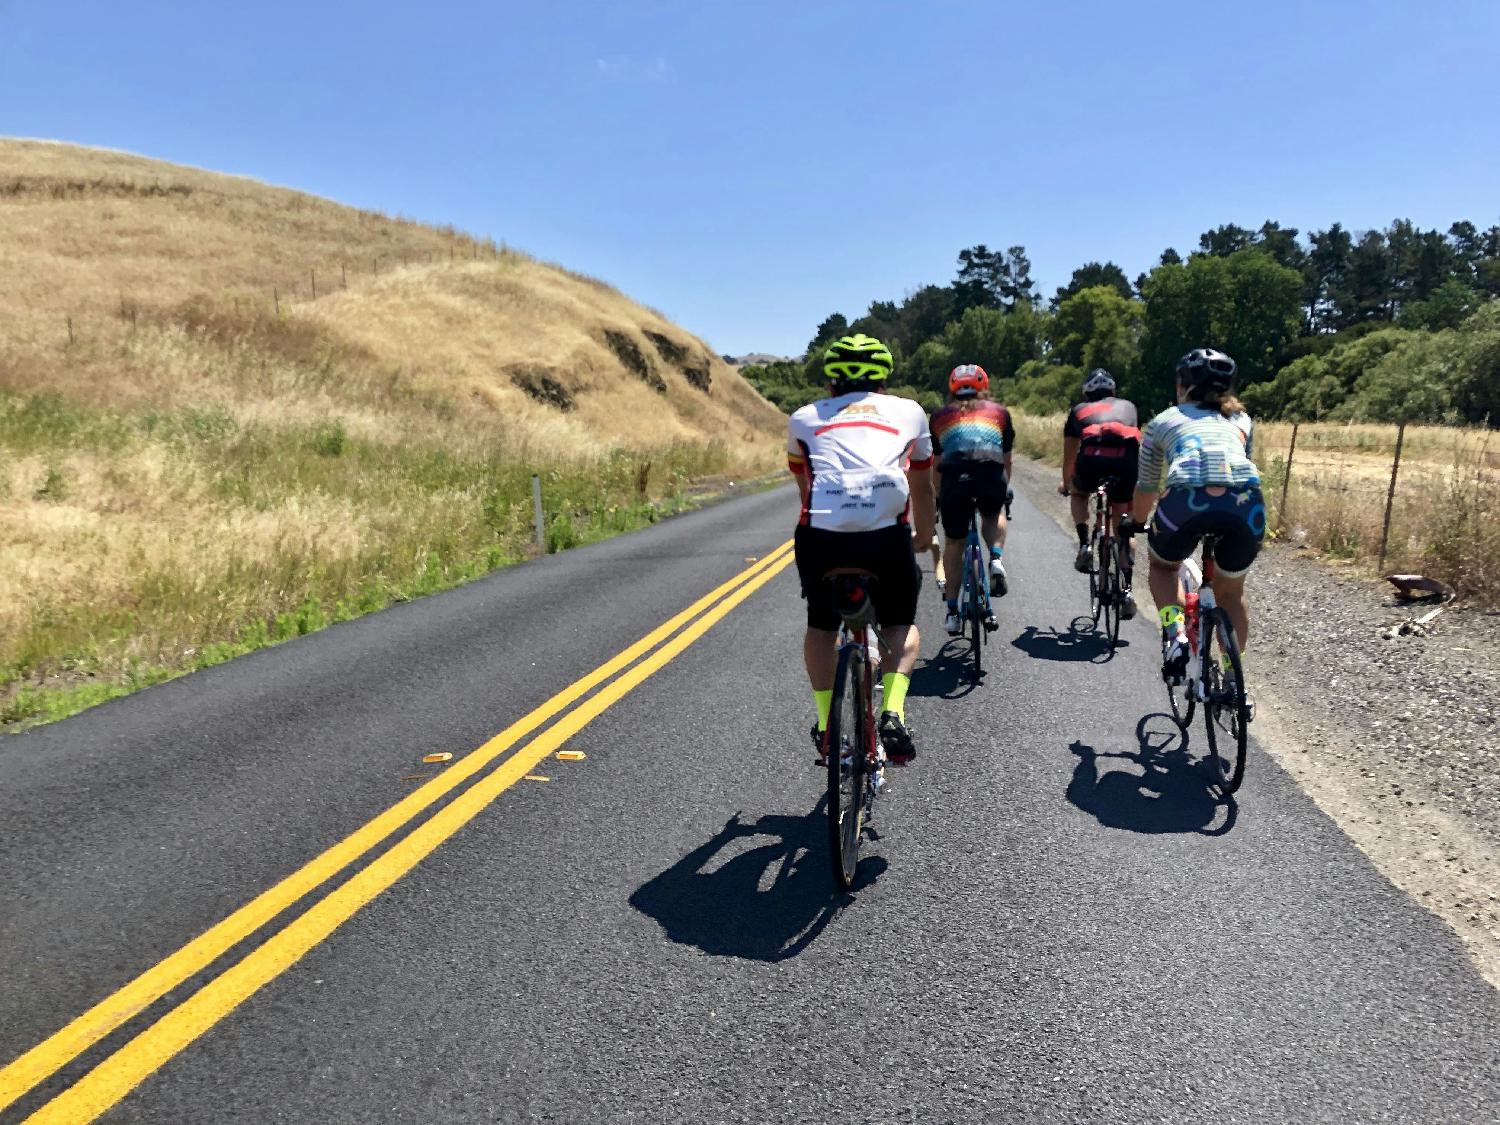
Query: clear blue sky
749, 168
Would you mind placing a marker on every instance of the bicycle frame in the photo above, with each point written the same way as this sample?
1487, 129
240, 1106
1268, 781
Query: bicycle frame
1104, 523
869, 646
1196, 607
974, 594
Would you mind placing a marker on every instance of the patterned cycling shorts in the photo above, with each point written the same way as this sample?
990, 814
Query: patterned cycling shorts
1185, 515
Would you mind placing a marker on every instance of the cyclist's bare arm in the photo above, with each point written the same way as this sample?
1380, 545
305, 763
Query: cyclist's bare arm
804, 486
919, 482
1069, 464
1141, 506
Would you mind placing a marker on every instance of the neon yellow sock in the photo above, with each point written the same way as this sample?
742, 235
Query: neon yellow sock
895, 685
823, 700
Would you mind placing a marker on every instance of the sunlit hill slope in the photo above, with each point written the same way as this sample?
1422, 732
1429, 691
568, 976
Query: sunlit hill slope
229, 410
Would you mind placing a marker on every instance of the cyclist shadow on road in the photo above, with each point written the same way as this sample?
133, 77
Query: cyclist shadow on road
1080, 643
1171, 793
765, 903
948, 674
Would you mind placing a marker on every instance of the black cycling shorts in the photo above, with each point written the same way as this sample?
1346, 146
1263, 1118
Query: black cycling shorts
970, 485
1118, 468
885, 553
1185, 515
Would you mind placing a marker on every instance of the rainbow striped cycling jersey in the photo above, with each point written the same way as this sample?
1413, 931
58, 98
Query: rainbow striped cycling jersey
1198, 447
972, 430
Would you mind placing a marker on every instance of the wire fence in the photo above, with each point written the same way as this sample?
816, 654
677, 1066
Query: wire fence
1387, 492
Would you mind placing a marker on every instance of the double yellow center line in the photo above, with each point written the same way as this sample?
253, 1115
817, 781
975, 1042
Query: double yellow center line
128, 1066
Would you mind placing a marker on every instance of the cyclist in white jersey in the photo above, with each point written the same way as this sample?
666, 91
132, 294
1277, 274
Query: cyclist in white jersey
863, 463
1212, 486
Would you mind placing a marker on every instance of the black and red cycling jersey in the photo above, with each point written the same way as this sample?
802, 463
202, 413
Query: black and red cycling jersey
1109, 427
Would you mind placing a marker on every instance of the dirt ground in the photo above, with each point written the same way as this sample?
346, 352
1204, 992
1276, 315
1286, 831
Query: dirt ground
1395, 736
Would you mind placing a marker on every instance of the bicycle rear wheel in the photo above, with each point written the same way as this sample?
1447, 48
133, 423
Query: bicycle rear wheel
1096, 603
1109, 591
848, 738
977, 606
1225, 715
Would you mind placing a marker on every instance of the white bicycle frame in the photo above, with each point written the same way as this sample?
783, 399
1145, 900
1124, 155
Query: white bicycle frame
1191, 578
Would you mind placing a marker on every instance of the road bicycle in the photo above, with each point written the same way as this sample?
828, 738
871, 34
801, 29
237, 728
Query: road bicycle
975, 614
1106, 569
853, 754
1217, 683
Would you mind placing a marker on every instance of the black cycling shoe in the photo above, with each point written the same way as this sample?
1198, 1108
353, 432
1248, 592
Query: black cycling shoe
817, 741
990, 624
896, 739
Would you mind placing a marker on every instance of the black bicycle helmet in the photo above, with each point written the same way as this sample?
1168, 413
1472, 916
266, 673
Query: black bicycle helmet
1206, 369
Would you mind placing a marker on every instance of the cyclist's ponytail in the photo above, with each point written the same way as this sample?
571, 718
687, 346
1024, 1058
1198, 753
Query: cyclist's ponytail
1224, 402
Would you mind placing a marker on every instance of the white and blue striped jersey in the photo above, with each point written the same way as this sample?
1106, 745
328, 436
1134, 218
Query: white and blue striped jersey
1197, 447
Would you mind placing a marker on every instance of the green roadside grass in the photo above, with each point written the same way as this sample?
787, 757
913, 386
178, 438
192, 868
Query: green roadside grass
148, 545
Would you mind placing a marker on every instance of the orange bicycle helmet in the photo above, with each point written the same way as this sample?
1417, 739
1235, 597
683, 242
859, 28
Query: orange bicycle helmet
967, 380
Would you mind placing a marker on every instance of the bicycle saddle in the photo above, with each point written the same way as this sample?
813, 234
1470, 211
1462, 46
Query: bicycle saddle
851, 595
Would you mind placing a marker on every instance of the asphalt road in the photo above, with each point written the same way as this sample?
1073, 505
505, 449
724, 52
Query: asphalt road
1057, 922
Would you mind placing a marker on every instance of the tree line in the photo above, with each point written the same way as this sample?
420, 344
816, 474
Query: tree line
1381, 325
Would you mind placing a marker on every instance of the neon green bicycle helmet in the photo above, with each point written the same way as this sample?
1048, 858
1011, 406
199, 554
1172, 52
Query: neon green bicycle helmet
857, 358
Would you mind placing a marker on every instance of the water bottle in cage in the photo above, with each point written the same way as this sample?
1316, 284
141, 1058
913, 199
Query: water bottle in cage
1190, 576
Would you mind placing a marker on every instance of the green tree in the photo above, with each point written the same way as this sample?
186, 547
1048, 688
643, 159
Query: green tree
998, 341
1042, 388
1245, 304
1225, 240
1326, 267
1281, 243
1015, 282
1364, 292
925, 313
831, 329
1097, 327
977, 284
1091, 274
1448, 306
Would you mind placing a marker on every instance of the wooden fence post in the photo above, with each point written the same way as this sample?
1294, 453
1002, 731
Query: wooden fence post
1390, 496
343, 275
70, 331
1286, 480
313, 276
536, 501
276, 299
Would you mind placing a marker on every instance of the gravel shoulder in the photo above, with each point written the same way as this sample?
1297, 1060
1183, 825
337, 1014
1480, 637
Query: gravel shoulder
1396, 737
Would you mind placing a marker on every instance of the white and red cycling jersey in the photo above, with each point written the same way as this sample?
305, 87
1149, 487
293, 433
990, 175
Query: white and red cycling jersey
854, 450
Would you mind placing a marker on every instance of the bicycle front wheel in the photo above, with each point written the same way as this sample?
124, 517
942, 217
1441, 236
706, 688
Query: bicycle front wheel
848, 739
1183, 704
1225, 714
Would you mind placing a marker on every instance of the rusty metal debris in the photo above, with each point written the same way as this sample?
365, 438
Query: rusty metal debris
1413, 587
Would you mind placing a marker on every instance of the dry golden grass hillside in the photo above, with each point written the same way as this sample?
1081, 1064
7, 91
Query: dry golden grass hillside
230, 411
